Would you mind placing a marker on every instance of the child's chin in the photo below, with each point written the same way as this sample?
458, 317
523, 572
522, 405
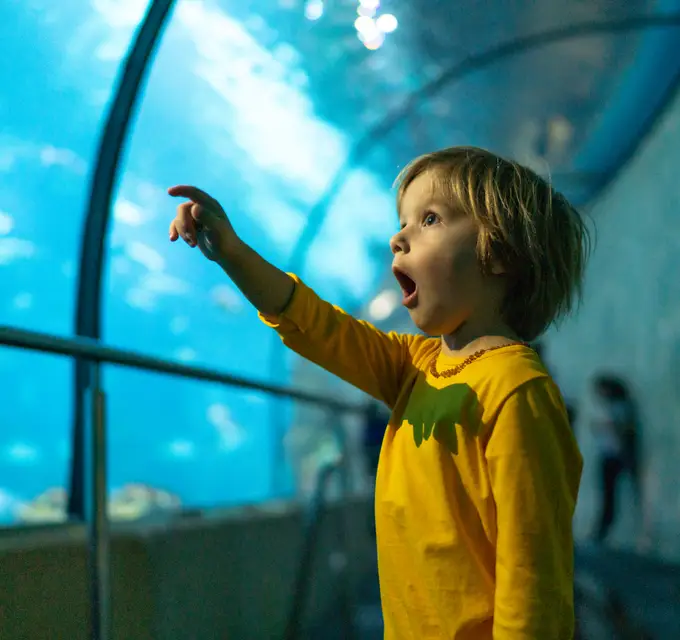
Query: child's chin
422, 324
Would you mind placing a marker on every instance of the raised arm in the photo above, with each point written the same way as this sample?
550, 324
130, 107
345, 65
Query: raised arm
201, 222
535, 469
354, 350
357, 352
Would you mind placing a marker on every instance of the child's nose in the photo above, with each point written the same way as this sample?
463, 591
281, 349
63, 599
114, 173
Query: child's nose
399, 243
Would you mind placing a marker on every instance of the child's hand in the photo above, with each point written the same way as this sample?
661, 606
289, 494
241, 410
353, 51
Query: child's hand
202, 222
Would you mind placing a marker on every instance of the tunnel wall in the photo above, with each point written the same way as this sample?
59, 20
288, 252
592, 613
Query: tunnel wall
630, 324
220, 576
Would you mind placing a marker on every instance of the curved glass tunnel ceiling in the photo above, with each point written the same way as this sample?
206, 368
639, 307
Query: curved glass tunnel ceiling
297, 115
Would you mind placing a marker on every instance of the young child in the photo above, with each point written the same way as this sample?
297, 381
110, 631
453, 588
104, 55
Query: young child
479, 470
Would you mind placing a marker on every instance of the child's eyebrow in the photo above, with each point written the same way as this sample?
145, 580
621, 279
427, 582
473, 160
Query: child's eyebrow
444, 207
441, 202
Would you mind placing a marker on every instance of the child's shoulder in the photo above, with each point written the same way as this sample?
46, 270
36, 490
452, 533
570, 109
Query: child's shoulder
423, 349
518, 362
502, 372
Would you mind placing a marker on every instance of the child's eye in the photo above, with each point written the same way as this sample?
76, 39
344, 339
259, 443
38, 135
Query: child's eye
430, 219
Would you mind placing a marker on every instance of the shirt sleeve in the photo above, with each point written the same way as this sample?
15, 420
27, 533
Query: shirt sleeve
354, 350
535, 470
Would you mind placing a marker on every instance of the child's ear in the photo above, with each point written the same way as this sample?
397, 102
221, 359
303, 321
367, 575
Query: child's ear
497, 268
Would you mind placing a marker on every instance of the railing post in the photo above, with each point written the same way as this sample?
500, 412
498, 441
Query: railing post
100, 563
312, 516
342, 569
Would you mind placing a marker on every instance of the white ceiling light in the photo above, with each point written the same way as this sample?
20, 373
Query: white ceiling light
387, 23
313, 9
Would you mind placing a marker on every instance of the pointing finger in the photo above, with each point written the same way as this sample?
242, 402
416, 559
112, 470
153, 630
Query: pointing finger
193, 193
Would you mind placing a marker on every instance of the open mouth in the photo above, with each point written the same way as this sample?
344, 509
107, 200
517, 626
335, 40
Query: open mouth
408, 286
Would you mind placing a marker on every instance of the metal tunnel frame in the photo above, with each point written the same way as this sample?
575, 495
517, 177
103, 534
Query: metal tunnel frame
476, 62
102, 186
105, 174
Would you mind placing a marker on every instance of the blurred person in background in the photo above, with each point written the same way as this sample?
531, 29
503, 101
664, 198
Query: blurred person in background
616, 431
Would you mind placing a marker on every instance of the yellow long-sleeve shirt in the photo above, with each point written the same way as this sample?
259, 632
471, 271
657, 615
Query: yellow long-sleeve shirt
477, 480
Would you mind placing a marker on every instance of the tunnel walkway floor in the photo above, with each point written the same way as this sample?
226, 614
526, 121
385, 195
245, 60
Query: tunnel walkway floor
619, 595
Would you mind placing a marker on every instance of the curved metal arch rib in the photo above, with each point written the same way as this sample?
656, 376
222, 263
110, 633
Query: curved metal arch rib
375, 134
458, 71
104, 176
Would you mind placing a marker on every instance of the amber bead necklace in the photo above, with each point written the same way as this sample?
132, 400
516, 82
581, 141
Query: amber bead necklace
448, 373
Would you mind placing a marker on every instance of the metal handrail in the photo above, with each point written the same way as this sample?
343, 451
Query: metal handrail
97, 352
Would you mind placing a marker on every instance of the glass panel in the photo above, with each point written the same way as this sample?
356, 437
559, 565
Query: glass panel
35, 445
260, 124
178, 443
533, 107
246, 130
56, 84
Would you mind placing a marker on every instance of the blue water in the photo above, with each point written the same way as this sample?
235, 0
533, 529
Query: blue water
226, 107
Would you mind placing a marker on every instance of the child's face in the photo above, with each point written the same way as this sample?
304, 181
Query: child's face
435, 262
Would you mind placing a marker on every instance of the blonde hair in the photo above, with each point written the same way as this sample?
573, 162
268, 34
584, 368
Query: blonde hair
540, 240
